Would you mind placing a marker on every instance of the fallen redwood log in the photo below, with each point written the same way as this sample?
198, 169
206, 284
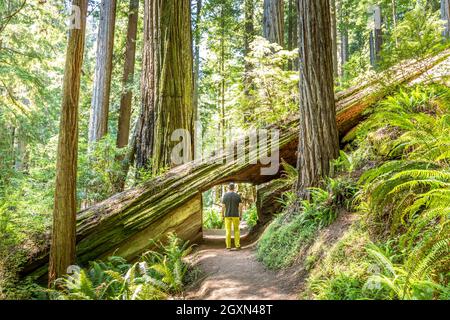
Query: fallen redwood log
126, 223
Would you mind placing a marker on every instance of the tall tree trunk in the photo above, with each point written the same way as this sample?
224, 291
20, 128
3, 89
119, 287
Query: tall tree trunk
20, 152
334, 38
343, 34
378, 33
128, 74
344, 50
318, 139
123, 132
167, 82
273, 21
249, 35
12, 146
292, 32
372, 49
197, 39
394, 18
62, 251
445, 14
222, 76
295, 32
98, 122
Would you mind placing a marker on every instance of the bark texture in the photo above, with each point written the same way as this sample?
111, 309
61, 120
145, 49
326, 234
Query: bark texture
62, 252
167, 82
319, 141
334, 38
343, 30
273, 21
445, 14
128, 74
166, 203
197, 39
378, 33
292, 32
123, 132
249, 8
98, 121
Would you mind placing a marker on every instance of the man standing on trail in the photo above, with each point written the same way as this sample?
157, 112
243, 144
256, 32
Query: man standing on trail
232, 213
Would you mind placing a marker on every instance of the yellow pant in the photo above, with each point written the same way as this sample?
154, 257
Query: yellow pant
228, 222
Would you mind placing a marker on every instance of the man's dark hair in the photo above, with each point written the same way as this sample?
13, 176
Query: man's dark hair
231, 186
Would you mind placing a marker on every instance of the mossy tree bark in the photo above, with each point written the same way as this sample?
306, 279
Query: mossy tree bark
62, 252
273, 21
167, 82
98, 121
318, 140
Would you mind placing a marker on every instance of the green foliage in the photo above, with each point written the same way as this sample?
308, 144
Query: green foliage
417, 35
169, 264
340, 287
251, 216
99, 169
290, 173
281, 242
414, 279
343, 270
273, 95
411, 194
156, 276
404, 203
212, 219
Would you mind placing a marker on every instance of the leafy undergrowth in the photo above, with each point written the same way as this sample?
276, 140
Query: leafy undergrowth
296, 227
398, 247
158, 275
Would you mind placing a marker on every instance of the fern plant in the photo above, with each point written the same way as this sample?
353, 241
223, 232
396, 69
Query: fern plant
411, 193
411, 280
156, 276
169, 264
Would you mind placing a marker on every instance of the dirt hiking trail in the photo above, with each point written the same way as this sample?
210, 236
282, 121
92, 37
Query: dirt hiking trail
238, 275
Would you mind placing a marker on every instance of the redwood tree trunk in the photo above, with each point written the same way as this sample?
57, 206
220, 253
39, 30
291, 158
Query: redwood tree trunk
318, 139
167, 82
394, 18
128, 74
343, 30
292, 32
98, 122
62, 252
222, 75
378, 33
445, 14
334, 38
249, 34
273, 21
123, 133
197, 58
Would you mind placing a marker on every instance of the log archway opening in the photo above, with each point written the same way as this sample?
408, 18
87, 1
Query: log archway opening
213, 227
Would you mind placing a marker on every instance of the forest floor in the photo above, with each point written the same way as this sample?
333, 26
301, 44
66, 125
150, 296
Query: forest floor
238, 275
